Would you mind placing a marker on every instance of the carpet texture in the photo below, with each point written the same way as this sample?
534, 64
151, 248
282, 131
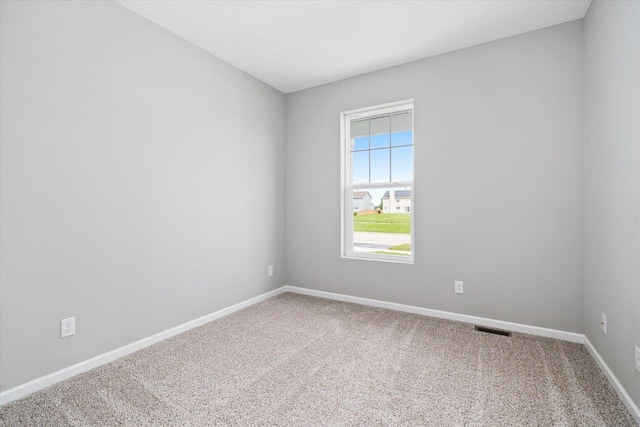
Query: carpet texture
295, 360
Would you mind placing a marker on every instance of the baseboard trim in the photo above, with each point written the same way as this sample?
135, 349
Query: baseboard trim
622, 393
63, 374
515, 327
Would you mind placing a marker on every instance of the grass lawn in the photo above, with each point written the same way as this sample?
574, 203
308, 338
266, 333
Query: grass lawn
390, 253
383, 223
405, 247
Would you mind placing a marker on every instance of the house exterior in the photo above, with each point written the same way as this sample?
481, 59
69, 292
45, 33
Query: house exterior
399, 201
362, 201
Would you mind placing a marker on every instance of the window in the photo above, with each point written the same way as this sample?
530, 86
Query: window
377, 165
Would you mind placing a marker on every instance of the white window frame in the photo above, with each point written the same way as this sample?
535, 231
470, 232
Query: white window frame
347, 186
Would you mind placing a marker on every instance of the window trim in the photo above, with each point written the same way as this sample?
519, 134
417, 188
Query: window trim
347, 187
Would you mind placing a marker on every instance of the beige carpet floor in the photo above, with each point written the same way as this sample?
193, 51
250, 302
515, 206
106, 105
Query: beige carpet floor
295, 360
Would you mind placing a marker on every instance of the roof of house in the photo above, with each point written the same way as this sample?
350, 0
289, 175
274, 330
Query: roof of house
400, 194
360, 194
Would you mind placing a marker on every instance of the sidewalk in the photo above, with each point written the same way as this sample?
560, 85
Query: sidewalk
368, 240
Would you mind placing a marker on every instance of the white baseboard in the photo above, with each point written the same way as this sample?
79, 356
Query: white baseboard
515, 327
624, 396
61, 375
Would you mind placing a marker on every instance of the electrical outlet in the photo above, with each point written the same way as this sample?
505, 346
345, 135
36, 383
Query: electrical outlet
270, 270
459, 287
603, 323
638, 359
67, 327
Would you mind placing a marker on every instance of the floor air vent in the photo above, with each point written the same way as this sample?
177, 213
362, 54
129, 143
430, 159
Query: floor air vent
492, 331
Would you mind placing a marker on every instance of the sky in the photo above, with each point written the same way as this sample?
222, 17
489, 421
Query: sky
373, 160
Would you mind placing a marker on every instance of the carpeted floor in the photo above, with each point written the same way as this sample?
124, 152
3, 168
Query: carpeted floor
295, 360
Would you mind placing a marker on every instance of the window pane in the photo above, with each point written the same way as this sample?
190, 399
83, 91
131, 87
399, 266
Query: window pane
402, 164
359, 127
360, 166
387, 231
360, 135
401, 129
380, 132
361, 143
362, 201
402, 138
380, 166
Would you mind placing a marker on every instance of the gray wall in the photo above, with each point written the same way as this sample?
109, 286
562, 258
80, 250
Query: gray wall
142, 183
612, 185
498, 181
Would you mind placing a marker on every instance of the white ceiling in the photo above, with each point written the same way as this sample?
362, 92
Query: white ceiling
294, 45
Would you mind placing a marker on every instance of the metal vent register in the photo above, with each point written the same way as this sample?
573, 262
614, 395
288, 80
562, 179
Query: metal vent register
492, 331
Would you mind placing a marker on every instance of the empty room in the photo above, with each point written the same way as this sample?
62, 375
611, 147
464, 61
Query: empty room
320, 213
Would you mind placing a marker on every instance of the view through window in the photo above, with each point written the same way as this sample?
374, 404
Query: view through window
377, 156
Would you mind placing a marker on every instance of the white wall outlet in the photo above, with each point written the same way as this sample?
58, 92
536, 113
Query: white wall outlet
459, 287
603, 323
270, 270
638, 359
67, 327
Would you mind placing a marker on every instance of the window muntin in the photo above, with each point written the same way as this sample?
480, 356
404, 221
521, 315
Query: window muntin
377, 159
